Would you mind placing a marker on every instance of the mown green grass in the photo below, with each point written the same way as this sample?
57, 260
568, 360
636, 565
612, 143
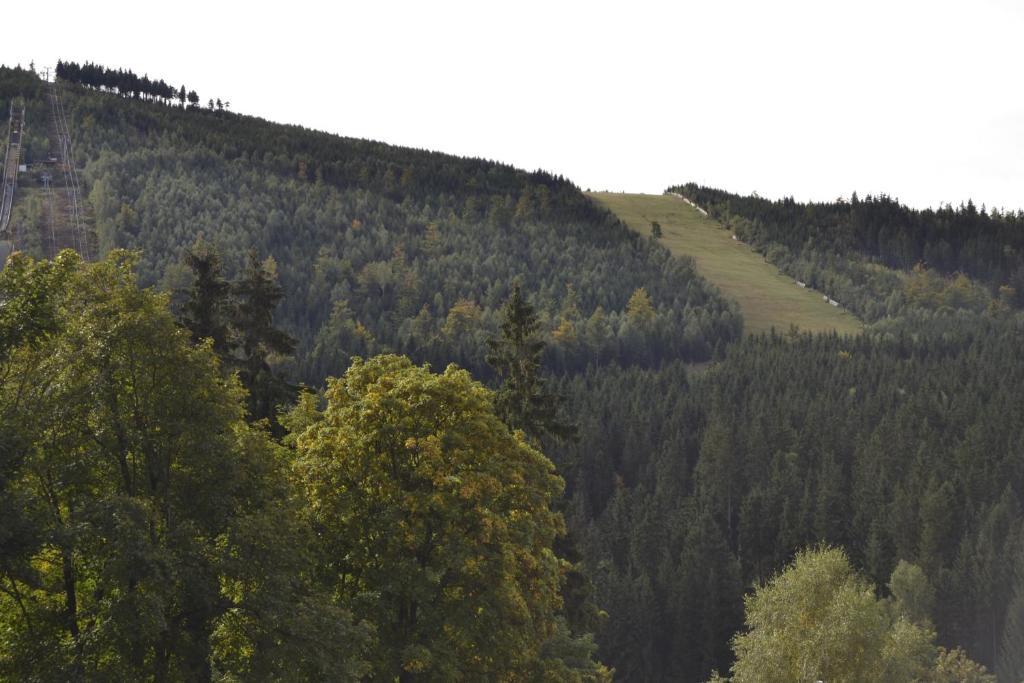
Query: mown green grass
766, 297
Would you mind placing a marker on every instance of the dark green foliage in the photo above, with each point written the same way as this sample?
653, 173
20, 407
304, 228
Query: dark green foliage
1010, 664
707, 582
256, 296
523, 400
125, 82
206, 311
902, 444
238, 318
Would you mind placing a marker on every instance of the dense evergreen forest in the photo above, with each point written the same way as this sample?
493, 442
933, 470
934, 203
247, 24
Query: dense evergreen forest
895, 446
694, 465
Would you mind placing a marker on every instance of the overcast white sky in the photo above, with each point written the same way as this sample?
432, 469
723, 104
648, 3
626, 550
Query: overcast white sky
920, 100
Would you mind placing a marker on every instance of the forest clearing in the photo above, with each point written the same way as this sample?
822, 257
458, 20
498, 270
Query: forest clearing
767, 298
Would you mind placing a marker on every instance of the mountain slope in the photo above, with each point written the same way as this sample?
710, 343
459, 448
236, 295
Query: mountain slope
380, 247
901, 443
768, 299
879, 257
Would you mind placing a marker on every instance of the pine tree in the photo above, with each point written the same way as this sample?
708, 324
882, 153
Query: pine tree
206, 311
1010, 664
707, 594
717, 473
523, 401
257, 294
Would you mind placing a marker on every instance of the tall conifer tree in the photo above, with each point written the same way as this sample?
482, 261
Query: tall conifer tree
523, 401
206, 311
257, 294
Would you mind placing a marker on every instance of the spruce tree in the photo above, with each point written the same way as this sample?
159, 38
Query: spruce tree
523, 401
239, 319
1010, 664
206, 311
257, 294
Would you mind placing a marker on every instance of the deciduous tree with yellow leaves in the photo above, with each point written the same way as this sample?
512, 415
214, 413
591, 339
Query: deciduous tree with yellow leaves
435, 522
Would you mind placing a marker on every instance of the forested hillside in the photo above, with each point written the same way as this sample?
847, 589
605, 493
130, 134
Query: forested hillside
768, 299
376, 249
903, 445
384, 248
861, 251
393, 509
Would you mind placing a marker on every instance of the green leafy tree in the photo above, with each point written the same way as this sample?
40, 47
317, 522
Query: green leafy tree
954, 666
156, 505
820, 620
913, 593
29, 291
815, 621
435, 521
523, 401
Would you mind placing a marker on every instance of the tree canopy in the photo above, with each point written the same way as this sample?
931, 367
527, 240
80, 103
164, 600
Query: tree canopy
820, 621
144, 496
435, 521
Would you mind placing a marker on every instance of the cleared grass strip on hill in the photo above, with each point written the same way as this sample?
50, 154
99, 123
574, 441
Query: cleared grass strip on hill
766, 297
